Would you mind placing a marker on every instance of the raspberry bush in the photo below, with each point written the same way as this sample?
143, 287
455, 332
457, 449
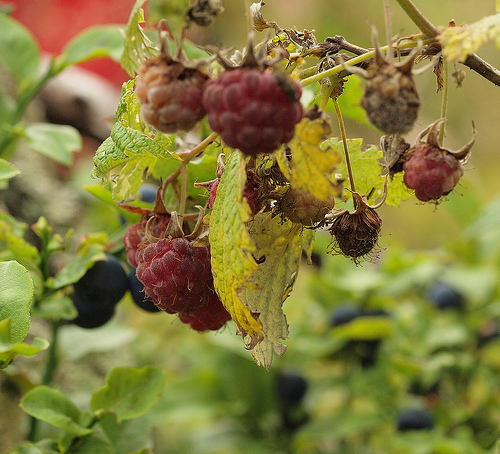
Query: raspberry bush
256, 171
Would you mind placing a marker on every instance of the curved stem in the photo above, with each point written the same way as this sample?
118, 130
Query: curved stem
188, 155
346, 148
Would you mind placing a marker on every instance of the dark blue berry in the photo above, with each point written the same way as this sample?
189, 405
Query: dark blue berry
444, 297
345, 314
148, 193
104, 284
291, 388
415, 419
90, 316
139, 295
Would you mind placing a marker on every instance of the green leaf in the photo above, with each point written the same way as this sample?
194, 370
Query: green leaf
232, 247
96, 443
9, 351
20, 53
94, 42
16, 292
52, 406
365, 328
20, 250
137, 45
7, 170
368, 172
47, 446
132, 150
56, 307
129, 392
128, 436
57, 142
459, 42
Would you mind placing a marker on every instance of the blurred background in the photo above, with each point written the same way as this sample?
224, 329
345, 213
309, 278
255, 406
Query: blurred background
415, 331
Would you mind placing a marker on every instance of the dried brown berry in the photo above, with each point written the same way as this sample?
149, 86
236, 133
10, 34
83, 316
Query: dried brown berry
304, 208
355, 233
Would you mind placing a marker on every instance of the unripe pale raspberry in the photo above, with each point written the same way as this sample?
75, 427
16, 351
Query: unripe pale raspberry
170, 94
432, 172
253, 110
210, 316
304, 208
176, 275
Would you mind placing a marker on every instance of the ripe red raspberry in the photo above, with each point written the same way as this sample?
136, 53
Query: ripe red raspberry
251, 193
431, 171
304, 208
210, 316
176, 275
253, 110
170, 94
136, 233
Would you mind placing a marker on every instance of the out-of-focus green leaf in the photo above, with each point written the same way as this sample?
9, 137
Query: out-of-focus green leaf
129, 392
7, 170
56, 307
57, 142
20, 54
52, 406
16, 292
9, 351
94, 42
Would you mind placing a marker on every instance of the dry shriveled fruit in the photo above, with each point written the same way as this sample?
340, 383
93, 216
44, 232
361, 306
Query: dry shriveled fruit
252, 109
431, 170
355, 232
170, 93
390, 98
304, 208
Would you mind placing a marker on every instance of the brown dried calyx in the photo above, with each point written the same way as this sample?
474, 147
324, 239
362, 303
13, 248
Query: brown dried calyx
355, 232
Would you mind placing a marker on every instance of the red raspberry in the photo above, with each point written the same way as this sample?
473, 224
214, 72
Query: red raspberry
304, 208
136, 233
432, 172
253, 110
170, 94
176, 275
210, 316
251, 193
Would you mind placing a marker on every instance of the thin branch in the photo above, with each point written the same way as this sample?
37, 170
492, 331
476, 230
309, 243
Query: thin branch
473, 61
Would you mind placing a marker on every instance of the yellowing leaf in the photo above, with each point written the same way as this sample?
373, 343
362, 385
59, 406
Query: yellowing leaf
311, 166
458, 42
279, 248
367, 172
232, 248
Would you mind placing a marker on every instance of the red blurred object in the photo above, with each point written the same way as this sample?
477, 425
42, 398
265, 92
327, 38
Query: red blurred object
55, 22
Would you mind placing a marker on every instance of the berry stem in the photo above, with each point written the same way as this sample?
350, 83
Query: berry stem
388, 29
183, 197
248, 16
444, 100
188, 155
346, 148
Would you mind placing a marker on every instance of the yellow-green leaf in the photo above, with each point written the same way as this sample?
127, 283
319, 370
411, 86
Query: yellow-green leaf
232, 248
458, 42
279, 249
311, 166
368, 172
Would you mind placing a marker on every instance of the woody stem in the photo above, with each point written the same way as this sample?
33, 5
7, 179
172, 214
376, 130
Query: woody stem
444, 100
346, 148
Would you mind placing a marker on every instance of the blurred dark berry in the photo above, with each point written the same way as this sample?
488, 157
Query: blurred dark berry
91, 316
344, 314
444, 297
104, 284
291, 388
148, 193
139, 295
415, 419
